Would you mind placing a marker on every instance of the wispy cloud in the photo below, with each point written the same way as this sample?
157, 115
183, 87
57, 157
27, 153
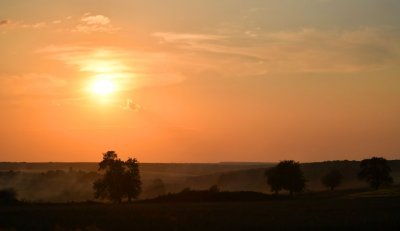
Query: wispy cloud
131, 68
95, 23
170, 37
31, 84
10, 24
87, 23
4, 22
95, 19
130, 106
292, 51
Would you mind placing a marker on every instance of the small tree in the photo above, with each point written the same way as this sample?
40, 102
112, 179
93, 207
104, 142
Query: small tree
120, 180
8, 196
332, 179
375, 171
214, 189
286, 175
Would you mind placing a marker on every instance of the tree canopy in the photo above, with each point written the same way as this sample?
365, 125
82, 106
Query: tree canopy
287, 175
375, 171
121, 179
332, 179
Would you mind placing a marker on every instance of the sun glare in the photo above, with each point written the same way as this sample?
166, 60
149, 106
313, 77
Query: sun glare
103, 87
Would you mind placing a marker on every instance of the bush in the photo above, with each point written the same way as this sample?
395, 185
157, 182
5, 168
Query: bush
332, 179
8, 196
376, 172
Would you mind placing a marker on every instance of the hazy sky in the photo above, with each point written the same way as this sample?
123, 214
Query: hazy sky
199, 81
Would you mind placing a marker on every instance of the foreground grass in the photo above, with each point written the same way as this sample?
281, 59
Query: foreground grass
372, 213
385, 192
338, 210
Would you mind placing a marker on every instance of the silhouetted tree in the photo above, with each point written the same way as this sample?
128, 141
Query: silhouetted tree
120, 180
273, 180
375, 171
214, 189
132, 180
8, 196
332, 179
286, 175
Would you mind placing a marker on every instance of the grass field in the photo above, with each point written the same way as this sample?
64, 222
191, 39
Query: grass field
346, 209
340, 211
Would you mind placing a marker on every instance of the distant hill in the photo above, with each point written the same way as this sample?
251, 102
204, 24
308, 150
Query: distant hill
170, 172
178, 168
73, 181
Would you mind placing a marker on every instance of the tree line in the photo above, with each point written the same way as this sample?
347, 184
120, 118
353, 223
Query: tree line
287, 175
121, 179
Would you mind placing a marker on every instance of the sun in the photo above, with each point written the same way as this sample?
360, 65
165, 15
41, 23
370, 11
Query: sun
103, 87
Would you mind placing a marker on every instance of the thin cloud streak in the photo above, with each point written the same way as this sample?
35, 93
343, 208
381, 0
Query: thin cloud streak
306, 50
131, 106
132, 69
86, 24
30, 84
95, 23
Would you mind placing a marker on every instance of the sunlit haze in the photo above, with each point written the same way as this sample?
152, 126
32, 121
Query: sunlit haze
199, 81
103, 86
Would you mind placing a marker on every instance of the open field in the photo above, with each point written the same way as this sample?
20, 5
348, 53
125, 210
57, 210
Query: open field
345, 210
349, 208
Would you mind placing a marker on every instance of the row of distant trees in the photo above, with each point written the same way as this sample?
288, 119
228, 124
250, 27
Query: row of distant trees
287, 175
121, 179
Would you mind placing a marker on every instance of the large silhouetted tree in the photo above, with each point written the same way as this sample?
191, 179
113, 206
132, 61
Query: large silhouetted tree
120, 180
273, 180
132, 179
332, 179
375, 171
286, 175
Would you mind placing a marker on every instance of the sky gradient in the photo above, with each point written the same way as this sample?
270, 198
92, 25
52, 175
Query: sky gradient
200, 81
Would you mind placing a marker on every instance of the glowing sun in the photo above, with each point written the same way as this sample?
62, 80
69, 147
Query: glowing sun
103, 87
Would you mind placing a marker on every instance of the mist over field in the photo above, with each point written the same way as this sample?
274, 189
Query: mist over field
67, 182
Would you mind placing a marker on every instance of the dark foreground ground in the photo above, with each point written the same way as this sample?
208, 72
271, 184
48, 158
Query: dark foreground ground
359, 212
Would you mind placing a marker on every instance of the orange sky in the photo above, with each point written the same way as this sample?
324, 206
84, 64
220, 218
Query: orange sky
199, 81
